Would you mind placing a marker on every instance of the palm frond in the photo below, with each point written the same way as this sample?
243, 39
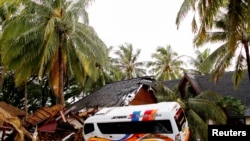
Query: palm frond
209, 95
208, 109
186, 6
239, 71
197, 124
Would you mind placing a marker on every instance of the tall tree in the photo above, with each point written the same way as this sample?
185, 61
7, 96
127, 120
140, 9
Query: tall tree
234, 16
111, 72
223, 55
167, 64
49, 40
199, 109
8, 9
197, 62
126, 60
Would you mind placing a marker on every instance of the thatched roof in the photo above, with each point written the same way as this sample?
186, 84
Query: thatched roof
11, 109
112, 94
224, 87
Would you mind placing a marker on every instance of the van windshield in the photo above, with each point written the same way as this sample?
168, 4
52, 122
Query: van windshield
155, 126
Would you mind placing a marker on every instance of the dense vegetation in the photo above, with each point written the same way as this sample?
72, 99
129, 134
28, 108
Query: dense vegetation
48, 56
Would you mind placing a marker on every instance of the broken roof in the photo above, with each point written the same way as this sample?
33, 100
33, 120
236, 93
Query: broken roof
112, 94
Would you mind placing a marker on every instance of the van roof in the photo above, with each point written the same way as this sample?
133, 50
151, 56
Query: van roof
128, 110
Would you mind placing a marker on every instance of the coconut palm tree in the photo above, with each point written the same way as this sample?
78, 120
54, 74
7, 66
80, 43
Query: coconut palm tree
199, 109
49, 40
197, 63
223, 55
167, 64
111, 72
203, 11
226, 21
8, 8
127, 61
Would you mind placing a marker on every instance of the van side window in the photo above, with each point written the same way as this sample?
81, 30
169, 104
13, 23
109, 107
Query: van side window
88, 128
156, 126
180, 119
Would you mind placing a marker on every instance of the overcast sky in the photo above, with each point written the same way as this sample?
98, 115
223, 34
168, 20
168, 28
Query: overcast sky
146, 24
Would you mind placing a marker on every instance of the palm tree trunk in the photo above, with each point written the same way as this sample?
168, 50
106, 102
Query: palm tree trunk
26, 100
2, 78
248, 59
44, 90
61, 65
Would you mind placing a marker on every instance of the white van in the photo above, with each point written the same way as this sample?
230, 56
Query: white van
164, 121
